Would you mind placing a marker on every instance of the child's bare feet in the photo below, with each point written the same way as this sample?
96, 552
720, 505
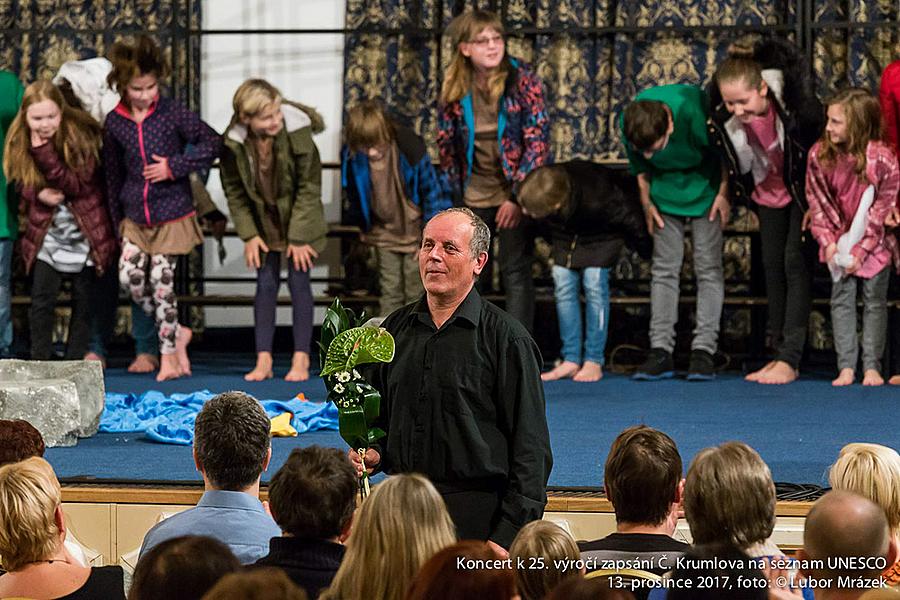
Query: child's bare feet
590, 371
755, 375
299, 367
779, 373
144, 363
845, 377
894, 380
563, 370
872, 377
182, 339
169, 368
263, 368
97, 357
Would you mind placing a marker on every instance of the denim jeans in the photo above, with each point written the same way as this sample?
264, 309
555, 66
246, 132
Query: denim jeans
567, 289
6, 328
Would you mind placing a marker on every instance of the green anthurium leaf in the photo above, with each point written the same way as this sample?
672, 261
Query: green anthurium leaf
375, 434
371, 403
352, 426
358, 346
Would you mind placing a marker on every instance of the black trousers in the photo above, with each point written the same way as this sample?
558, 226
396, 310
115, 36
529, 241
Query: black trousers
474, 512
44, 293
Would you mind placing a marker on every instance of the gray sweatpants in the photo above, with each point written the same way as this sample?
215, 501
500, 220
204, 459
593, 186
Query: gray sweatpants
874, 321
668, 254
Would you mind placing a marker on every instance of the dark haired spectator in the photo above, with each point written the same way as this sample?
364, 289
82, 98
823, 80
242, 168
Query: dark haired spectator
596, 588
312, 498
258, 584
465, 570
232, 448
19, 440
182, 568
644, 484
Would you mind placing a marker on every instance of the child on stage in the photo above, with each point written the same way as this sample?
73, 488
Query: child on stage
852, 183
272, 178
147, 165
52, 155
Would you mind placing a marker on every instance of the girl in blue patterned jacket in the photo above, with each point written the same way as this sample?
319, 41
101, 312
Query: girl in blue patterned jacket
147, 167
493, 132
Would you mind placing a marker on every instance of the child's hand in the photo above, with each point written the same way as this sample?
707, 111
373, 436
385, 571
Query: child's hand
854, 265
302, 256
51, 196
830, 251
508, 215
893, 218
252, 249
158, 171
721, 208
39, 140
654, 219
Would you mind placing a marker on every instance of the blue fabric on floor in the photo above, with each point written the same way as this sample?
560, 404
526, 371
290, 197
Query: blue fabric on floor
170, 419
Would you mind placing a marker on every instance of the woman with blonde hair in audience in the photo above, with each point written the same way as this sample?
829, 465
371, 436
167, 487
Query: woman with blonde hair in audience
872, 471
399, 527
545, 555
32, 535
467, 569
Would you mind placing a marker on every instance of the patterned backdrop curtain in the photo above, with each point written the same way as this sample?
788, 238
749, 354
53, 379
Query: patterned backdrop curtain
590, 75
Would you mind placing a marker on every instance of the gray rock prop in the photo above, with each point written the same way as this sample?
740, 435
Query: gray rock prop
39, 400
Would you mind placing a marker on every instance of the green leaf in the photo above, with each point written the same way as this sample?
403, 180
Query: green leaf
358, 346
375, 434
353, 428
371, 402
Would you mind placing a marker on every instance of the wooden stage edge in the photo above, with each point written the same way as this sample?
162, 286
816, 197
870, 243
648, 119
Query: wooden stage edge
558, 501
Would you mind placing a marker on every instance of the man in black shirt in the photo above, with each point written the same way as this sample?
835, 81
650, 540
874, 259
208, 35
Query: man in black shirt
462, 401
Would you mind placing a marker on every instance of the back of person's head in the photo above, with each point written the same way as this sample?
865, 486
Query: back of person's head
130, 60
642, 475
872, 471
844, 525
231, 440
729, 496
545, 191
252, 97
402, 524
711, 569
268, 583
646, 122
29, 497
313, 495
467, 569
594, 588
368, 125
556, 549
182, 568
19, 440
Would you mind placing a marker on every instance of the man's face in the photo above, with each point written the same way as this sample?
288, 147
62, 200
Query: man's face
446, 264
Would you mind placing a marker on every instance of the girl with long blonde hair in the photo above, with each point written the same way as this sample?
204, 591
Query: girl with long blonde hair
493, 131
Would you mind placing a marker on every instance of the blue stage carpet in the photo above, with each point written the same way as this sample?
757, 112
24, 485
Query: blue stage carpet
798, 429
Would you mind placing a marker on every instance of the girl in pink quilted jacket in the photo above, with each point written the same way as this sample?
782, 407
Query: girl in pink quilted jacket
852, 182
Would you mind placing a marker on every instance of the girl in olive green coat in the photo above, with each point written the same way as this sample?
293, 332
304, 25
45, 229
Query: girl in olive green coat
272, 178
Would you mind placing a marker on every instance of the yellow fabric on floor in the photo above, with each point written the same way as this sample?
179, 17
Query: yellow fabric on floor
281, 426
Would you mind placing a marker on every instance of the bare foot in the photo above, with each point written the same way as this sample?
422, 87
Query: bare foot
590, 371
894, 380
169, 368
779, 373
144, 363
563, 370
755, 375
872, 377
182, 339
97, 357
299, 367
845, 377
263, 368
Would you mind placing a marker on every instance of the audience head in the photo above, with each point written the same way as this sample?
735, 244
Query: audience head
397, 528
266, 583
729, 496
231, 441
846, 525
19, 440
182, 568
872, 471
647, 126
368, 128
729, 563
467, 569
547, 541
477, 37
257, 105
642, 459
31, 521
136, 70
313, 495
545, 191
593, 588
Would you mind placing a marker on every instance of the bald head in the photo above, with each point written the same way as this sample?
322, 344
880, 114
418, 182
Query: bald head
843, 524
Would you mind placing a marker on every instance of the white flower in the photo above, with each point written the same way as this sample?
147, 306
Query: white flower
356, 374
338, 388
343, 376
